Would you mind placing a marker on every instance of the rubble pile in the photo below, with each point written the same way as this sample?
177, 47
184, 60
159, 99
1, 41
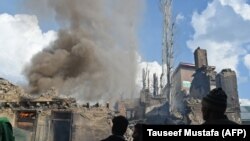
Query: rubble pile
193, 109
191, 115
10, 92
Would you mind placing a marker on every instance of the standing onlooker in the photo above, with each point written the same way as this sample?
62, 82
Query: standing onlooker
214, 106
120, 124
137, 135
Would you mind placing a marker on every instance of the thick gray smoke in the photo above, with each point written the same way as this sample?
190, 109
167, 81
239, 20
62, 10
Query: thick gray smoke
94, 56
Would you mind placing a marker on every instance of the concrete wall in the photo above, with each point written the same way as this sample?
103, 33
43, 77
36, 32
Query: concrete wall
43, 130
90, 127
186, 75
182, 78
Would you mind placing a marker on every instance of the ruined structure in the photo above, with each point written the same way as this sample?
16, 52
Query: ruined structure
150, 99
227, 80
152, 105
155, 84
190, 84
182, 79
49, 117
200, 58
205, 78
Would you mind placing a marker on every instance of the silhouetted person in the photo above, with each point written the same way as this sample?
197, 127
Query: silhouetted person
214, 106
6, 131
87, 105
137, 134
107, 105
120, 124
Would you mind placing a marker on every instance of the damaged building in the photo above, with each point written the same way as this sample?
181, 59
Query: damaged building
149, 106
203, 78
49, 117
182, 79
191, 82
227, 80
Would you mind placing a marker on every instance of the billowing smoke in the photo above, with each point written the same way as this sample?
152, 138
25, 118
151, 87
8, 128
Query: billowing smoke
93, 57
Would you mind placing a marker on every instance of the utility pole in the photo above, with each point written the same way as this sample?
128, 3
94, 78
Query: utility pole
167, 49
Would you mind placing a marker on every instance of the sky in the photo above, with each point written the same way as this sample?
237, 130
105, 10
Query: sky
220, 26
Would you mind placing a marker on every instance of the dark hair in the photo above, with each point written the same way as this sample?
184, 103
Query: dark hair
216, 100
120, 124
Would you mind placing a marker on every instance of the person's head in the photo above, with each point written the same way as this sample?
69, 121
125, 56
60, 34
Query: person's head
120, 124
214, 104
137, 134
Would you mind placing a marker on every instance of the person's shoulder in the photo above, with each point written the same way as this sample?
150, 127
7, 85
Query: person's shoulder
232, 122
4, 119
105, 139
113, 138
227, 121
220, 122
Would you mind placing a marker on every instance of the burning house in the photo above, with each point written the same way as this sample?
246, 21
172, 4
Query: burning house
49, 117
93, 58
